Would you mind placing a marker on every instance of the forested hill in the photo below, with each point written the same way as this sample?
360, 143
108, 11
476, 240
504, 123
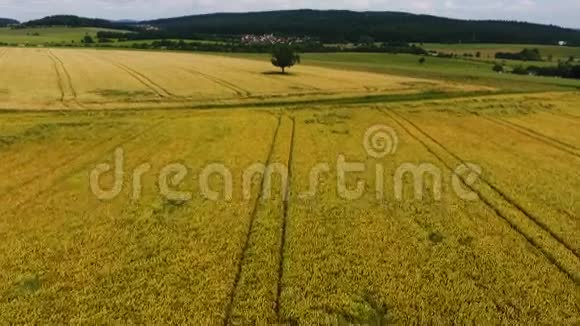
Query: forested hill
6, 21
75, 21
337, 26
341, 26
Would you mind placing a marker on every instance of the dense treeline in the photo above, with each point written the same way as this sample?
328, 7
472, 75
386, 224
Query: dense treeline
5, 22
267, 48
334, 26
348, 26
564, 70
524, 55
142, 35
75, 21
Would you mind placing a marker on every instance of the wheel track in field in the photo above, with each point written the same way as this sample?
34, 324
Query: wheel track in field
68, 93
253, 215
69, 82
285, 219
505, 196
224, 83
524, 157
143, 79
546, 140
81, 167
513, 225
59, 78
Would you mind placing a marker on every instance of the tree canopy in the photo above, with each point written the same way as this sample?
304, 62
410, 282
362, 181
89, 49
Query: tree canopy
284, 56
75, 21
524, 55
6, 21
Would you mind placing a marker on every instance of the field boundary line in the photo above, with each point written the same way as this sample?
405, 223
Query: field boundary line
242, 255
81, 167
285, 219
505, 196
347, 102
238, 90
488, 203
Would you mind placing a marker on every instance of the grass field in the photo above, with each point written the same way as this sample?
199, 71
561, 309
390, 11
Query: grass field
453, 70
508, 255
488, 51
45, 35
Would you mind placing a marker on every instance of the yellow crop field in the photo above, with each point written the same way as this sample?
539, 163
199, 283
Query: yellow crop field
177, 188
56, 79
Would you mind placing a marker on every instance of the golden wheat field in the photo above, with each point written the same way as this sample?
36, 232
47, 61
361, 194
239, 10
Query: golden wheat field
57, 79
335, 235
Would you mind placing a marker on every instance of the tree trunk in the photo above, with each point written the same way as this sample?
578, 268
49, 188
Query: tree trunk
283, 70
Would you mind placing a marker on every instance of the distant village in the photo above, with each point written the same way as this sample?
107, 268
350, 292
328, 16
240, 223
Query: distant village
251, 39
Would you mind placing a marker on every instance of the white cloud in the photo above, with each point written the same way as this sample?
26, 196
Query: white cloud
558, 12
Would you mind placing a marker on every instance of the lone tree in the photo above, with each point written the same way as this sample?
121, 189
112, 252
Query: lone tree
284, 56
88, 39
498, 68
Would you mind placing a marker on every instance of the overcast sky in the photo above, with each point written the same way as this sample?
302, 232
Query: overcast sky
558, 12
